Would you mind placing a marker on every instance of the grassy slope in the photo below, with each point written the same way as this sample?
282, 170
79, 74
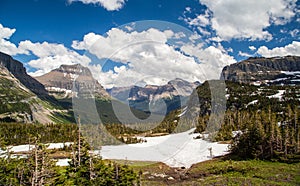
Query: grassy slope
223, 172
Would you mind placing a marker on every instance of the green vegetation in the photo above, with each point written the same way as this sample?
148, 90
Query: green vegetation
84, 169
13, 98
20, 133
250, 172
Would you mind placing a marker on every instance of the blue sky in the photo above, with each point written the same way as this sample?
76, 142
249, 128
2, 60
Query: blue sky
43, 34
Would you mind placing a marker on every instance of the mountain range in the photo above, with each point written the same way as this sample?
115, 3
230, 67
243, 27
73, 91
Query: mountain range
47, 98
153, 98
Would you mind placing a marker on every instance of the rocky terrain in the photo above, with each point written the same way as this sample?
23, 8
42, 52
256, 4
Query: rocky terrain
68, 80
259, 70
17, 69
23, 99
165, 98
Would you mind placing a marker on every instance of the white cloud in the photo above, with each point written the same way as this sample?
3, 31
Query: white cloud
112, 45
109, 5
149, 57
252, 48
188, 9
244, 54
213, 59
51, 56
201, 20
246, 19
230, 50
290, 49
5, 45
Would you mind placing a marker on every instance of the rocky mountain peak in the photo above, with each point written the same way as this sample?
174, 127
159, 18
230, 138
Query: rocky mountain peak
63, 81
77, 69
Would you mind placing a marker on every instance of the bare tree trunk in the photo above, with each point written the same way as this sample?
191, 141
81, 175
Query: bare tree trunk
35, 175
79, 145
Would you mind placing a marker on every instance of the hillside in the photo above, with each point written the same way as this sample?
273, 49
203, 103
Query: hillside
17, 69
259, 70
26, 102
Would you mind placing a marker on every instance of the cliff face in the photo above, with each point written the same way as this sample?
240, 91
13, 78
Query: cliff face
20, 96
276, 70
65, 80
17, 69
173, 95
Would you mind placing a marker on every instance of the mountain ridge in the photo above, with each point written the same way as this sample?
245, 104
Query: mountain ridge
67, 80
18, 70
174, 94
258, 70
23, 102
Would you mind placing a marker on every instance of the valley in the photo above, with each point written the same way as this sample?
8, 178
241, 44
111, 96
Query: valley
183, 147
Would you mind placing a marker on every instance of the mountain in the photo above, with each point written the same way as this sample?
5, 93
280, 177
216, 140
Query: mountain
160, 99
23, 99
259, 70
18, 71
254, 85
64, 81
74, 84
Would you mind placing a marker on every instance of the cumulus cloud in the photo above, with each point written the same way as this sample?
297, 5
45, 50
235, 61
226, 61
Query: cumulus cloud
290, 49
213, 59
110, 5
201, 20
51, 56
235, 19
252, 48
5, 45
112, 45
147, 56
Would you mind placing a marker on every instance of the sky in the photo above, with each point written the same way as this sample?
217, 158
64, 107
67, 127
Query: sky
127, 42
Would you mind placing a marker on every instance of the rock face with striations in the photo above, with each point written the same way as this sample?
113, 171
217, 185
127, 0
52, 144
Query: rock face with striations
68, 80
257, 70
174, 95
17, 69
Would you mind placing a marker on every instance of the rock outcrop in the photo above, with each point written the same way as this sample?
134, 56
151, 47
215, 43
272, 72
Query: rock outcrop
68, 80
173, 95
276, 70
17, 69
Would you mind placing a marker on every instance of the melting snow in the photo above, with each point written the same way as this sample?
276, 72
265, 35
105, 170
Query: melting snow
175, 150
25, 148
252, 103
278, 95
63, 162
290, 72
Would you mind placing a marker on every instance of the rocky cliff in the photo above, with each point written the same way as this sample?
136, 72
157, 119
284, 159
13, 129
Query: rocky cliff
20, 96
173, 95
68, 80
276, 70
17, 69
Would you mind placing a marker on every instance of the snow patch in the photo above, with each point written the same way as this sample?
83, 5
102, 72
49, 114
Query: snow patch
252, 103
63, 162
291, 72
26, 148
176, 150
278, 95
